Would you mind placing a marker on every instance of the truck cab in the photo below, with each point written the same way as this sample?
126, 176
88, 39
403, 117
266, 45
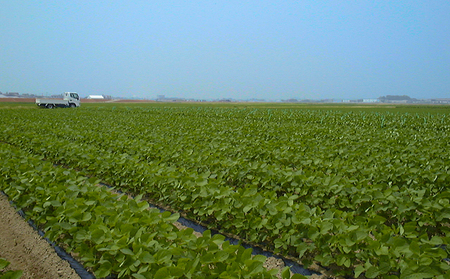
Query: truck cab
73, 98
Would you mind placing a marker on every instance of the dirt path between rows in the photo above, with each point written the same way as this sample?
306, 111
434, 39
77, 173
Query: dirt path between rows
22, 246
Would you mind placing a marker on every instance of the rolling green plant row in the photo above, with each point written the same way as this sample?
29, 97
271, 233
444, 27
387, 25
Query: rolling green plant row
360, 193
115, 234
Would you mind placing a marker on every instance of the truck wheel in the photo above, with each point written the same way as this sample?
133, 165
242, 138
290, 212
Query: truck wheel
72, 105
50, 106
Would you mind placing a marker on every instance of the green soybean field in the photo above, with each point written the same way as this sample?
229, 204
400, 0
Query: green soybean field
360, 192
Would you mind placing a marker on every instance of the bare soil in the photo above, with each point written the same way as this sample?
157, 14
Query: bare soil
22, 246
18, 100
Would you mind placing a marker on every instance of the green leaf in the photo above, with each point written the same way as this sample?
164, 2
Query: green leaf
221, 256
425, 261
254, 266
207, 258
279, 243
377, 220
358, 270
435, 240
246, 255
98, 236
247, 208
286, 273
176, 271
104, 270
3, 263
86, 216
162, 273
325, 227
16, 274
302, 248
372, 272
138, 276
173, 217
127, 251
418, 276
146, 257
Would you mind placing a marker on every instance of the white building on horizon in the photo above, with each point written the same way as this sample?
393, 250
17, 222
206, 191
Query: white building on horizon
98, 97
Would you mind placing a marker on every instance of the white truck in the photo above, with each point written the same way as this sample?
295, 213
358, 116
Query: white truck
70, 100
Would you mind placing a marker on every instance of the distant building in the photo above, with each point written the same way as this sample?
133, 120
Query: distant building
399, 99
256, 100
370, 100
292, 100
97, 97
163, 98
441, 101
12, 94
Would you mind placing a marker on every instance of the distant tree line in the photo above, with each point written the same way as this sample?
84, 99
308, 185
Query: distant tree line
396, 98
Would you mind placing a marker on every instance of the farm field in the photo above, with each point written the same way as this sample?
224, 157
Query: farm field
362, 191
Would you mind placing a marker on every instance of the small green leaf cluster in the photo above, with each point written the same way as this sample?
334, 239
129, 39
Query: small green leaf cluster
10, 274
115, 234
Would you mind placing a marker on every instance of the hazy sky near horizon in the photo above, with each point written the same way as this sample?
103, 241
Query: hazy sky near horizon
227, 49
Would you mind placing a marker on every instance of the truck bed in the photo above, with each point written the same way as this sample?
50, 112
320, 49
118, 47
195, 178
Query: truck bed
51, 101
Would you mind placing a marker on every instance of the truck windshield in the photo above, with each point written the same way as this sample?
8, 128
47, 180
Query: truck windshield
75, 96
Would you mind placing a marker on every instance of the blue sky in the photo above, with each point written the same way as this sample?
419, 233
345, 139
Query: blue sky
227, 49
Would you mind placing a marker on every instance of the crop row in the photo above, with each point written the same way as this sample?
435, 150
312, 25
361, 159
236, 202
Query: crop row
115, 234
361, 192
